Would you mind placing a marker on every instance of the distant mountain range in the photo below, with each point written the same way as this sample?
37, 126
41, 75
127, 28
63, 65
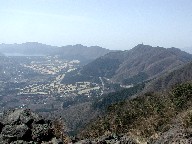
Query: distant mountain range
78, 51
141, 63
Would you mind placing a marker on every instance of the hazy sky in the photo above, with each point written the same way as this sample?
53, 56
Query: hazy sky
113, 24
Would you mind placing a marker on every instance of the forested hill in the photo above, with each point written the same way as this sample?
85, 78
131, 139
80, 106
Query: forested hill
140, 63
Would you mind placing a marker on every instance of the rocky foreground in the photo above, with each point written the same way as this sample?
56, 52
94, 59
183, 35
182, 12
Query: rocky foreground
21, 126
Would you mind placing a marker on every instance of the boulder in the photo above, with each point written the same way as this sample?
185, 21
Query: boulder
15, 132
27, 117
11, 117
20, 116
22, 126
42, 132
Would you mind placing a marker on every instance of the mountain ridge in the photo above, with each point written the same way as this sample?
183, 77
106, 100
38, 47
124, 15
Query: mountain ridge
77, 51
151, 61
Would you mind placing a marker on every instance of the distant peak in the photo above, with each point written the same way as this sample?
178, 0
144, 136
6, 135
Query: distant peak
79, 45
142, 46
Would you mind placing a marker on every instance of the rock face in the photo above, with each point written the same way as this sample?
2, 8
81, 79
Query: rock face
21, 126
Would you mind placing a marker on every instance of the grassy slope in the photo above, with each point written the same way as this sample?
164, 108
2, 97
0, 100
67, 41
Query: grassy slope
145, 116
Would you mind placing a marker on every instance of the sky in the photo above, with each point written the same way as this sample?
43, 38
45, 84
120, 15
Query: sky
112, 24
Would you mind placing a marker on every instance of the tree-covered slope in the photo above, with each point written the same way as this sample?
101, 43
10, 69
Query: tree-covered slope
142, 62
180, 75
149, 117
156, 115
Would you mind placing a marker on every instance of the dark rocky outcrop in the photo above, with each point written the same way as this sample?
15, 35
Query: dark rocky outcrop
22, 126
41, 132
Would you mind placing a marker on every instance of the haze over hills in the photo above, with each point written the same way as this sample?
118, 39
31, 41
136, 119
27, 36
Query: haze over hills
86, 90
140, 63
78, 51
53, 86
83, 63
